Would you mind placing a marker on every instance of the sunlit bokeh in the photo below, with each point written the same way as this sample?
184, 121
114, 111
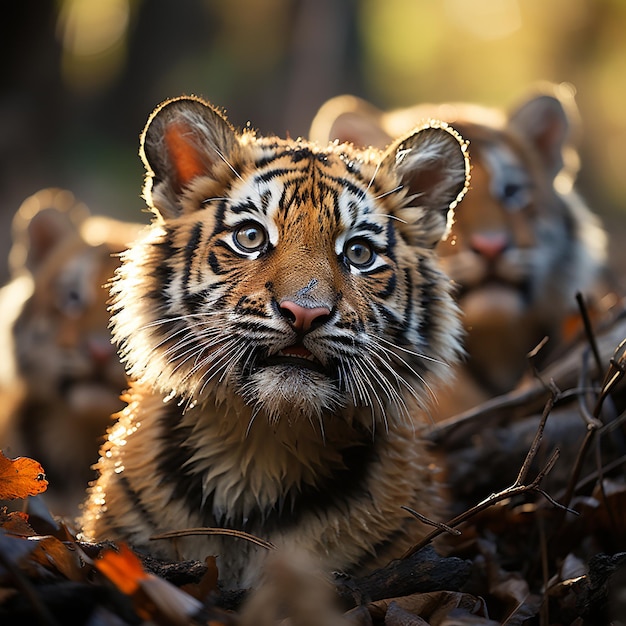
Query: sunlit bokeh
93, 36
86, 74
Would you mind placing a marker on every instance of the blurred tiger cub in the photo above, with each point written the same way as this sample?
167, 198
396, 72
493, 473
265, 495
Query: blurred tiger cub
281, 321
523, 242
65, 377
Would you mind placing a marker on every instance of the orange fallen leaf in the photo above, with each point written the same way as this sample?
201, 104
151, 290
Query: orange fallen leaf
123, 569
20, 477
153, 598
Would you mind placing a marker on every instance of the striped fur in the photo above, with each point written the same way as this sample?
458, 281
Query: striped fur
283, 320
523, 242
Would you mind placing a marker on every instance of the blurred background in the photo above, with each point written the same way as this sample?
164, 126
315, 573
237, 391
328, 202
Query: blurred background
80, 78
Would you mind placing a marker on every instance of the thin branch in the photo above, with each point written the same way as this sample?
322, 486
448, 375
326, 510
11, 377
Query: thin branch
594, 476
591, 338
505, 494
240, 534
534, 447
532, 358
614, 373
517, 488
430, 522
578, 464
583, 380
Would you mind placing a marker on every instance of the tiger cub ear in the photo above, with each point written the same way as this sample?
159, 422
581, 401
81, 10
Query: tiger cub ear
349, 119
548, 121
433, 166
42, 222
184, 138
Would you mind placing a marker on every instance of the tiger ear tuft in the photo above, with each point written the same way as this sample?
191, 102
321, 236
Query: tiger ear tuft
184, 138
433, 165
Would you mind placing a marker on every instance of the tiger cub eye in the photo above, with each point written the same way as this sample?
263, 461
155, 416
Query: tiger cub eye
359, 252
250, 237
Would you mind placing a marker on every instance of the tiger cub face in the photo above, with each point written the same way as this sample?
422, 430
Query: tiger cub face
60, 342
292, 277
522, 244
282, 321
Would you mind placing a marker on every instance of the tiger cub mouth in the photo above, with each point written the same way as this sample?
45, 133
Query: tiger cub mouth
523, 287
296, 355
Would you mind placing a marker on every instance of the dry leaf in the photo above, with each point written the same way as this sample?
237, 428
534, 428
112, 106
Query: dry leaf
53, 553
20, 477
398, 616
433, 607
207, 585
15, 523
154, 599
123, 569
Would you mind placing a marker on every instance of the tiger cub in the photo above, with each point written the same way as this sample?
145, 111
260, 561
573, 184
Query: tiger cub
522, 244
282, 322
64, 373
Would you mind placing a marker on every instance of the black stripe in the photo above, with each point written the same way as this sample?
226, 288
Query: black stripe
247, 206
219, 218
344, 183
409, 307
390, 286
370, 227
247, 306
428, 289
335, 491
214, 264
392, 240
266, 177
343, 340
191, 249
112, 520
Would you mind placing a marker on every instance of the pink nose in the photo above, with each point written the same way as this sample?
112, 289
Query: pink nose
100, 349
489, 245
303, 318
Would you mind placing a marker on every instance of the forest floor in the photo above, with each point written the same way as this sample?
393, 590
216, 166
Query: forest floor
537, 534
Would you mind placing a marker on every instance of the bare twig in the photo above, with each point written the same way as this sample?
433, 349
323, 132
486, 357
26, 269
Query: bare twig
240, 534
430, 522
516, 489
594, 476
583, 381
534, 447
591, 338
578, 464
532, 361
505, 494
615, 373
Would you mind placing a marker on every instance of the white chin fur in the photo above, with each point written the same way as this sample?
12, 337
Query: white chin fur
291, 393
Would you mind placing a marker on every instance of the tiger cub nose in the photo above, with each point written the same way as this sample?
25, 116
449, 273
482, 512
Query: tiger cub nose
302, 318
489, 245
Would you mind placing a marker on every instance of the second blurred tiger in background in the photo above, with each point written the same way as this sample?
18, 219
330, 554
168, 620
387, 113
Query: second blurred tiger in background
523, 243
60, 374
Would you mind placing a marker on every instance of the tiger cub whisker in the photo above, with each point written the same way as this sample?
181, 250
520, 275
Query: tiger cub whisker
387, 193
